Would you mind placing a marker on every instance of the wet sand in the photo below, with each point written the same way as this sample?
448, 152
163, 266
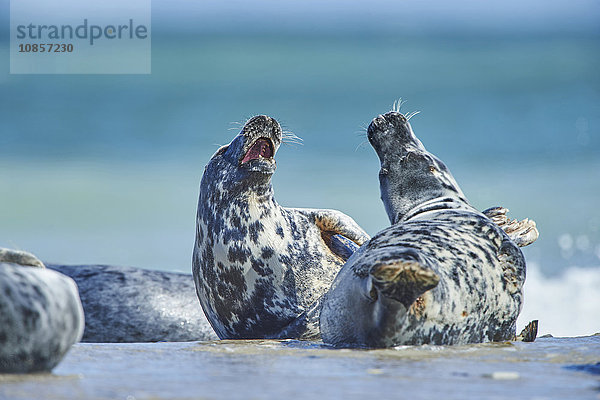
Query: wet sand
550, 368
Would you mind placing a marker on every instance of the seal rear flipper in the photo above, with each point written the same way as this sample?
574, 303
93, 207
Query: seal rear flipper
19, 257
523, 232
529, 333
402, 280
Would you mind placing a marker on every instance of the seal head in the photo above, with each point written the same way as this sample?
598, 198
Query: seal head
250, 158
410, 177
413, 181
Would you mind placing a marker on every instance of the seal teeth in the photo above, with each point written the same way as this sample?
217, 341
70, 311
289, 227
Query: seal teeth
262, 148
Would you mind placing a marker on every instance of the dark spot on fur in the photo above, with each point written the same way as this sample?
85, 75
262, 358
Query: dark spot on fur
267, 252
254, 229
238, 254
279, 231
260, 268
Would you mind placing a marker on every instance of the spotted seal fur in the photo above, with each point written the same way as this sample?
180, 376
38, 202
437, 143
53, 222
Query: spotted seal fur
443, 273
126, 304
40, 314
260, 269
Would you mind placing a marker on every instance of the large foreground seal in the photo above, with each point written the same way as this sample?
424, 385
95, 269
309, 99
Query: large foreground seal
444, 273
40, 314
125, 304
260, 269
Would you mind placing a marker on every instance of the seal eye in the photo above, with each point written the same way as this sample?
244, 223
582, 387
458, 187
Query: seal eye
432, 169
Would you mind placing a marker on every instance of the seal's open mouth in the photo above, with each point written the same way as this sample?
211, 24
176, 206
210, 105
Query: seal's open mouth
262, 148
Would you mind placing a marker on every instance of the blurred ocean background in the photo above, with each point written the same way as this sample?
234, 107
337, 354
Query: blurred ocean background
105, 168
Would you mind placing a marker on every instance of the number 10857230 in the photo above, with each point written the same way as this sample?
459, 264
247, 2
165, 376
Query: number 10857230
45, 48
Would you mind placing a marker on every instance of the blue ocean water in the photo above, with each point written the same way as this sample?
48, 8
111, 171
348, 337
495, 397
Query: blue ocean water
105, 169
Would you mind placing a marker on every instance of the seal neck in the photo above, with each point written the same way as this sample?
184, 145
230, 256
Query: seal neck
443, 203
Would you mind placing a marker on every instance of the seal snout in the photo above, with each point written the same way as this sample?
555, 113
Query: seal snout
389, 121
262, 125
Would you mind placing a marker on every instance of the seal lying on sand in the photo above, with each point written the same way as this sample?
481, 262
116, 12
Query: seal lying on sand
444, 273
124, 304
40, 314
260, 269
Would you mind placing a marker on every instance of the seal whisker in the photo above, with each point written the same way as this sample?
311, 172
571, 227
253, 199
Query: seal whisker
288, 137
237, 126
290, 134
411, 114
287, 143
362, 132
360, 145
292, 141
398, 105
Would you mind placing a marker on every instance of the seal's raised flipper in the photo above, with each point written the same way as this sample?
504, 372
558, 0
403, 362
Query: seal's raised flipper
340, 232
529, 333
403, 281
523, 233
20, 258
335, 222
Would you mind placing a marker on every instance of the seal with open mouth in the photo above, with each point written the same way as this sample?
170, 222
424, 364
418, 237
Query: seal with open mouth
443, 273
261, 269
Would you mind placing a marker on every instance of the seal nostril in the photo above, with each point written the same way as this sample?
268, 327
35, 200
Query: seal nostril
259, 121
395, 117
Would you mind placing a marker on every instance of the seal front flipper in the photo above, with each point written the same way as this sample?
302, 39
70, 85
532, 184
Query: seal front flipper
306, 326
523, 233
335, 222
340, 232
340, 245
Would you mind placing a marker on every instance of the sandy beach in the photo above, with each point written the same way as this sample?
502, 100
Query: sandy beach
549, 368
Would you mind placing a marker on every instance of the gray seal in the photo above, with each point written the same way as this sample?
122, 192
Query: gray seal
40, 314
443, 273
126, 304
260, 268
